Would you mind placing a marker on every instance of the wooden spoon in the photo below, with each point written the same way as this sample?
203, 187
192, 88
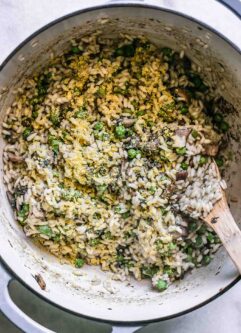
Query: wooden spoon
221, 221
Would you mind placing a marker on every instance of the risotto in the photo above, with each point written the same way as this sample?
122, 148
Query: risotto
109, 159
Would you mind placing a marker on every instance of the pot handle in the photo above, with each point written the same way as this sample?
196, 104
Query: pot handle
20, 319
10, 309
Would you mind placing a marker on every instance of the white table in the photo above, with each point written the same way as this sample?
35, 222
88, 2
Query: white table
18, 19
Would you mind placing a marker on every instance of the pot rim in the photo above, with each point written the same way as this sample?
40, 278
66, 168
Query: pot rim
12, 54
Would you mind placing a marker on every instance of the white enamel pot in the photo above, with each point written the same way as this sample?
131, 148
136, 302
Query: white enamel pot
184, 25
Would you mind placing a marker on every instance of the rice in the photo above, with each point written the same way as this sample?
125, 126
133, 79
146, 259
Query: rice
109, 159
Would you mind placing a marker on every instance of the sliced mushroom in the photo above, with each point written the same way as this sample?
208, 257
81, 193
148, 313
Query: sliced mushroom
40, 281
183, 94
181, 175
211, 149
183, 131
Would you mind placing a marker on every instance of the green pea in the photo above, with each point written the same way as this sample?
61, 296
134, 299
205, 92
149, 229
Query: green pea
75, 50
79, 262
206, 260
98, 126
198, 242
184, 109
219, 161
184, 166
27, 132
192, 226
132, 153
161, 285
181, 151
195, 134
202, 230
203, 160
224, 126
172, 246
210, 237
120, 132
218, 117
45, 230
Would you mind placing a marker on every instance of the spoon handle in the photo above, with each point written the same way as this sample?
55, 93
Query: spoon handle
228, 232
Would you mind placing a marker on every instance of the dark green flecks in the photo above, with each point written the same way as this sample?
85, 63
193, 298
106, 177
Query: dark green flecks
76, 50
54, 118
198, 242
127, 50
223, 126
94, 242
161, 285
23, 213
27, 131
81, 113
219, 161
54, 143
79, 262
206, 260
149, 271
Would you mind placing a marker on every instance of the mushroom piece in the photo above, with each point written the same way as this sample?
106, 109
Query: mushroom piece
128, 122
180, 136
183, 94
15, 158
181, 175
211, 149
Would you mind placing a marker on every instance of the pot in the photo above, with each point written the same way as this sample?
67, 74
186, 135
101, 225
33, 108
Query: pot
93, 295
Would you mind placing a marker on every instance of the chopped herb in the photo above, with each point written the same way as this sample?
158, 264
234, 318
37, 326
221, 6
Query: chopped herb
195, 134
23, 212
127, 50
27, 132
184, 166
45, 230
101, 92
149, 271
98, 126
206, 260
55, 118
181, 151
218, 117
76, 50
81, 113
94, 242
198, 242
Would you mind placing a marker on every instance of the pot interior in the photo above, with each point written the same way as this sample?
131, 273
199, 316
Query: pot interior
93, 293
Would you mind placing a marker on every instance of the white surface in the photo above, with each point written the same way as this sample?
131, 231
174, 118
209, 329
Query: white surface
18, 19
